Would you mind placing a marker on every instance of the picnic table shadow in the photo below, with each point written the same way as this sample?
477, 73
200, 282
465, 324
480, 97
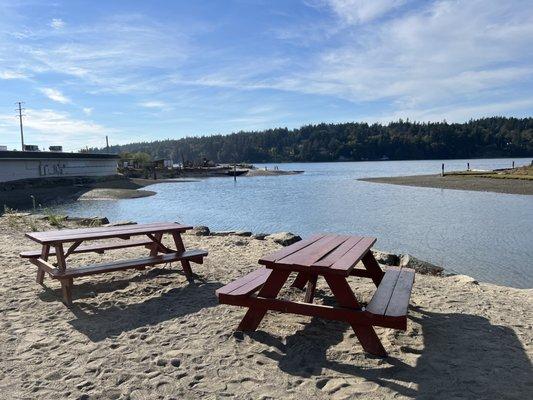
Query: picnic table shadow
464, 356
99, 323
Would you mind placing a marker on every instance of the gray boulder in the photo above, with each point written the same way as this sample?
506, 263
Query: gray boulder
284, 238
260, 236
422, 267
243, 233
200, 231
222, 233
386, 258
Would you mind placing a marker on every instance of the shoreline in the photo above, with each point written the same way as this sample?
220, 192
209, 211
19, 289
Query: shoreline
459, 182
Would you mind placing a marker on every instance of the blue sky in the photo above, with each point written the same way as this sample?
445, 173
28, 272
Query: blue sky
139, 70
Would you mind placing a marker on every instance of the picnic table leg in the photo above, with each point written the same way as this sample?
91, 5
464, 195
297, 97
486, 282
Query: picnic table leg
66, 289
184, 263
346, 298
311, 287
67, 283
44, 255
301, 280
372, 266
270, 289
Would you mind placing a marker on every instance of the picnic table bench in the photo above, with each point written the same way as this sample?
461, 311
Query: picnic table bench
52, 244
334, 257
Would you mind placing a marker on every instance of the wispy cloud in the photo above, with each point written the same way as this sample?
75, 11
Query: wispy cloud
57, 23
49, 127
87, 110
154, 104
9, 74
447, 52
362, 11
55, 95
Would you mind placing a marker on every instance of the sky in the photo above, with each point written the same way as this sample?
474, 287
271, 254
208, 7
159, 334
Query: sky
141, 71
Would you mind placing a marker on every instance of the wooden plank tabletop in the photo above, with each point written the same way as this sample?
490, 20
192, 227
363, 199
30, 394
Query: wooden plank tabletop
72, 235
321, 253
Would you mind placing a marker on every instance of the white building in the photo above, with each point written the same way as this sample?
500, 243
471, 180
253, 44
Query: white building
16, 165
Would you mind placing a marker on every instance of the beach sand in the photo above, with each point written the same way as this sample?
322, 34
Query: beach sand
151, 335
460, 182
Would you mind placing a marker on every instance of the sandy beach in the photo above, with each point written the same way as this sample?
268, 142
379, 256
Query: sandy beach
151, 335
460, 182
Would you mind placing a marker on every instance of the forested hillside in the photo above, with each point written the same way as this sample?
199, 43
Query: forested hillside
402, 140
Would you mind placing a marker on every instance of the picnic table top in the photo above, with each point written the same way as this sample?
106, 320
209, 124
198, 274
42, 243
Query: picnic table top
321, 253
72, 235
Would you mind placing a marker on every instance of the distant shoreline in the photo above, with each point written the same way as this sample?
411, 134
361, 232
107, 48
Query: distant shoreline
460, 182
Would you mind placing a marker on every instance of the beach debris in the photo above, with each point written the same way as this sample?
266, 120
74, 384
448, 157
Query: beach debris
201, 231
121, 223
422, 267
385, 258
284, 238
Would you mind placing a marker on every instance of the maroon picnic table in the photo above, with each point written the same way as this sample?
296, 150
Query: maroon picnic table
52, 244
334, 257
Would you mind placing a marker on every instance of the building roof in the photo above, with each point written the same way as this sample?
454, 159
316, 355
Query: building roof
38, 155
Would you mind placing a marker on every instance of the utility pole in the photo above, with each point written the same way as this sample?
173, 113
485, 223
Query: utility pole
107, 143
20, 121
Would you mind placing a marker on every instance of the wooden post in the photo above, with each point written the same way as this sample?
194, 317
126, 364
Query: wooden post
442, 171
235, 172
513, 164
468, 166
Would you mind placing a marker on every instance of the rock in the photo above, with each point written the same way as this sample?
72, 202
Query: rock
223, 233
121, 223
89, 221
422, 267
284, 238
386, 258
243, 233
260, 236
201, 231
463, 279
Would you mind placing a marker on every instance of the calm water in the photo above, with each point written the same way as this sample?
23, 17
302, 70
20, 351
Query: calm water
486, 235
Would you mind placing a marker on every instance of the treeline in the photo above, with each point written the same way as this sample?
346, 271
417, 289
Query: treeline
402, 140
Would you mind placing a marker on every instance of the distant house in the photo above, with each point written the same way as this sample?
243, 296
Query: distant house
17, 165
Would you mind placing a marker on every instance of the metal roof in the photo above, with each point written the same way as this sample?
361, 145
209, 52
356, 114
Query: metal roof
38, 155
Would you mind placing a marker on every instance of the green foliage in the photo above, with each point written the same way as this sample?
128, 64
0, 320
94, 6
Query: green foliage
56, 220
137, 157
402, 140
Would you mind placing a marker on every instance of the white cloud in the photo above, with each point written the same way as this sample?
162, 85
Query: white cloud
57, 23
362, 11
155, 104
48, 127
444, 54
88, 110
55, 95
9, 74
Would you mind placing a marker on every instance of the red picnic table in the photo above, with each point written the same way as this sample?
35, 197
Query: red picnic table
52, 245
333, 257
